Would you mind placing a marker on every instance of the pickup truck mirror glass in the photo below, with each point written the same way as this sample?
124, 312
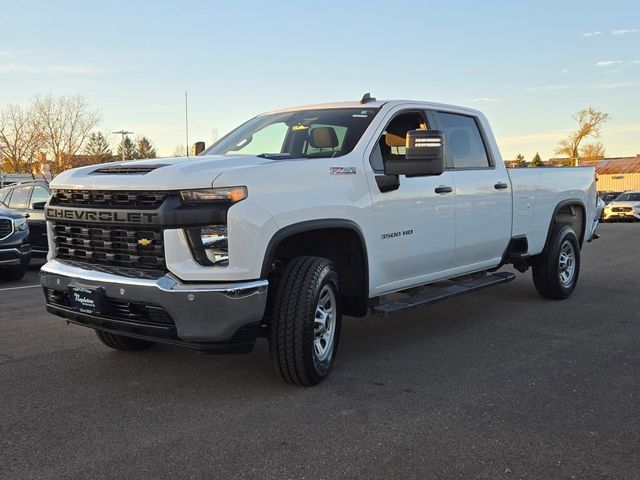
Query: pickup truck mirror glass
424, 155
38, 205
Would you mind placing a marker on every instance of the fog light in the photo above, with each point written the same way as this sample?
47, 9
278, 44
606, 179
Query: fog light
210, 245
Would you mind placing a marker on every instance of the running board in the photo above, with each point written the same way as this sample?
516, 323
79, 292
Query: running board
441, 291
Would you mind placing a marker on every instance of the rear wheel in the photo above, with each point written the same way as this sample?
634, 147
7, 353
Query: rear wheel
12, 274
120, 342
305, 321
555, 274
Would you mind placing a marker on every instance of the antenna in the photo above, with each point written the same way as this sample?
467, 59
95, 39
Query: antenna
186, 121
367, 98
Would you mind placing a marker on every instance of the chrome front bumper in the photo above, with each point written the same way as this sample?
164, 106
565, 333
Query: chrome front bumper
201, 312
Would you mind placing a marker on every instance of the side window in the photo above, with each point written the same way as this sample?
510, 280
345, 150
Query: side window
40, 194
20, 197
392, 143
464, 145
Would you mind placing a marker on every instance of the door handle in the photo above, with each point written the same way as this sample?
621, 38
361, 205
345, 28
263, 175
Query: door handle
26, 215
444, 189
501, 186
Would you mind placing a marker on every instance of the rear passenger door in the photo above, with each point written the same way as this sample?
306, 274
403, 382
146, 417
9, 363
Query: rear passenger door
482, 193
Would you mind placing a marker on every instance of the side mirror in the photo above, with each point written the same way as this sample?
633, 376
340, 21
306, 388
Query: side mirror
38, 205
198, 148
424, 155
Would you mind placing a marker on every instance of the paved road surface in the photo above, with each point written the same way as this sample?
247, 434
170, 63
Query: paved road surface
500, 384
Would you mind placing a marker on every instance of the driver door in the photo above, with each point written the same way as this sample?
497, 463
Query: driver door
414, 224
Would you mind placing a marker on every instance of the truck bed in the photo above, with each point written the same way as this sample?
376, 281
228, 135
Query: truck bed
537, 192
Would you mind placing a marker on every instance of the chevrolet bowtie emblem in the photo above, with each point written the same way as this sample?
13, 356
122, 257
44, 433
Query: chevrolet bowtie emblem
144, 242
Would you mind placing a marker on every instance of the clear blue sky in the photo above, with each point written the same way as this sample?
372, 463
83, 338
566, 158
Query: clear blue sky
528, 65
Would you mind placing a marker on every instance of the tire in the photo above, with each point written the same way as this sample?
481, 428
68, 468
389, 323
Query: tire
556, 271
120, 342
305, 321
12, 274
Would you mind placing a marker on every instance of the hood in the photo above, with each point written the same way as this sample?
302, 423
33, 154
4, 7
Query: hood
158, 173
633, 203
8, 213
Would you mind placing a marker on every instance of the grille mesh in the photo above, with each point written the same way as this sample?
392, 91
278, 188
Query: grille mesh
131, 247
6, 227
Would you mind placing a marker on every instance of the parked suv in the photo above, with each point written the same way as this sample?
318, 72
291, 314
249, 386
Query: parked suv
624, 208
15, 250
29, 198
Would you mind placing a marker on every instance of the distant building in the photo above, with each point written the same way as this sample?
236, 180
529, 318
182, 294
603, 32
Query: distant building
617, 173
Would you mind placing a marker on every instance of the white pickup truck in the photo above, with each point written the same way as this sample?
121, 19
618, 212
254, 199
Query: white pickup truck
300, 216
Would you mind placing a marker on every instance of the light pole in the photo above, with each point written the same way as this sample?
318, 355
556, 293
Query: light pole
124, 133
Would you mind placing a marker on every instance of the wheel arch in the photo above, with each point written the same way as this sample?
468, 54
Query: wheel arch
340, 240
570, 212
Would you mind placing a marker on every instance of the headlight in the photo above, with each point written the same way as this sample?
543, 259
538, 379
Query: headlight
210, 245
208, 195
20, 224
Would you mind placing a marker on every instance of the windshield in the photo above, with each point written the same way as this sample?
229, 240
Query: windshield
299, 134
629, 197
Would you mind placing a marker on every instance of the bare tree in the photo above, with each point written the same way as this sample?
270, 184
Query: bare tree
180, 151
21, 138
66, 122
592, 151
590, 122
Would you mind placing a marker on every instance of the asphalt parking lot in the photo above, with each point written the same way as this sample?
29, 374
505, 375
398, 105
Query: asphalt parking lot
499, 384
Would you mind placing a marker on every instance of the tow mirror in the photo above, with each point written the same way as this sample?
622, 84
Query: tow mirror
424, 155
198, 148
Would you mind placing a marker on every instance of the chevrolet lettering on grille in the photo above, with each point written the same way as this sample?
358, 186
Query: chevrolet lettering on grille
104, 216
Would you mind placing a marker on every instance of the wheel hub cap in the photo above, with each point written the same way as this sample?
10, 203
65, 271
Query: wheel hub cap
324, 324
567, 264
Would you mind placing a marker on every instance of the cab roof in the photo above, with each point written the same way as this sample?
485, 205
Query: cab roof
376, 104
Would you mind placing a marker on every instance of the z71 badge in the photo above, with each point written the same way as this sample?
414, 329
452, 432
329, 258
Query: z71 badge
342, 170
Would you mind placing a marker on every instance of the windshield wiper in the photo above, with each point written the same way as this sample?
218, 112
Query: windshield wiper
275, 156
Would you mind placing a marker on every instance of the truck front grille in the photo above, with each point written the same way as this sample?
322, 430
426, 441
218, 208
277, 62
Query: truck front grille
114, 245
621, 209
108, 199
6, 227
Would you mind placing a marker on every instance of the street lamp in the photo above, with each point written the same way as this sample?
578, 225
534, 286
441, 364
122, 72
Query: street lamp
124, 133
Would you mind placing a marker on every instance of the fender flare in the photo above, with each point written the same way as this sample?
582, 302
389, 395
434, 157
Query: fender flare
309, 226
564, 203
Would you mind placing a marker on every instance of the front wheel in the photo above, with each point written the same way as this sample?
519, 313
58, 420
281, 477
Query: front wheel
305, 321
13, 274
555, 274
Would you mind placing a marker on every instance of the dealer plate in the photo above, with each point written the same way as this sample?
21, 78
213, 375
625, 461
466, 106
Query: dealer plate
85, 300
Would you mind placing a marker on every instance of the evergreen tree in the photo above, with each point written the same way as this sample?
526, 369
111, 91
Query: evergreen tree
145, 149
520, 161
98, 147
537, 161
129, 149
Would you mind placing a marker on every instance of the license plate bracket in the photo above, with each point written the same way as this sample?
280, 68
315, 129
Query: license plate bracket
86, 299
